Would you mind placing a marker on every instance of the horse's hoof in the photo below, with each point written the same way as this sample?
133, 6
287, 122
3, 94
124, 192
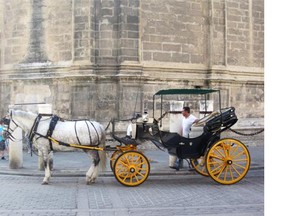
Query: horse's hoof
90, 182
44, 183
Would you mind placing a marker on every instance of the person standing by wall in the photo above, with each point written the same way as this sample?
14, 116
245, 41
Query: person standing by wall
2, 141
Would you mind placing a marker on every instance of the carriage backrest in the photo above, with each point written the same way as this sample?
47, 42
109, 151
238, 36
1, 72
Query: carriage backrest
225, 119
146, 129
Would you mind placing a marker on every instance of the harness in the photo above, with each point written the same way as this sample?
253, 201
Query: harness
52, 125
34, 128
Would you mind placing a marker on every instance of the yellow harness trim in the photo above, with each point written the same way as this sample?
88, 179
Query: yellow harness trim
76, 145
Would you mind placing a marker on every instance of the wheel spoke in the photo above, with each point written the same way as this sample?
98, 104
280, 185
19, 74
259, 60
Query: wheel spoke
140, 164
238, 165
219, 152
203, 169
137, 159
231, 173
217, 157
136, 177
123, 163
225, 149
216, 168
140, 174
239, 154
234, 150
122, 174
240, 160
127, 159
225, 174
235, 170
221, 170
216, 162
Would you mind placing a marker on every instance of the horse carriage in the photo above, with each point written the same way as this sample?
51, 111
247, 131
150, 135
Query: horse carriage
225, 160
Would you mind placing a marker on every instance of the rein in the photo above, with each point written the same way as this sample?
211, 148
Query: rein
9, 130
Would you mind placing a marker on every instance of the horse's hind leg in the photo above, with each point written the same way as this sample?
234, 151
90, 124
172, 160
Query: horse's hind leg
92, 173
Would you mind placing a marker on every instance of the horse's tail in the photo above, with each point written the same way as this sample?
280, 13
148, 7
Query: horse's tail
102, 154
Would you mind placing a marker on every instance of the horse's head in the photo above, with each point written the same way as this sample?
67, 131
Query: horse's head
10, 126
18, 118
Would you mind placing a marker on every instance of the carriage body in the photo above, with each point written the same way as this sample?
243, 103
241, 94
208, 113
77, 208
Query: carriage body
226, 161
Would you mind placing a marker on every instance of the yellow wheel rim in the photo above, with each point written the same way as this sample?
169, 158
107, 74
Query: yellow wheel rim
228, 161
131, 168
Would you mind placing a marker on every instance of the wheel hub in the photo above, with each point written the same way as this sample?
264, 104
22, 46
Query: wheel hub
229, 162
132, 169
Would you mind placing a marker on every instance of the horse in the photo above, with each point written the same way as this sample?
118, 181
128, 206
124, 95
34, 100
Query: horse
81, 133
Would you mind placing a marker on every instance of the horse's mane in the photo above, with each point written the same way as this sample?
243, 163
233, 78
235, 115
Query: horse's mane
23, 114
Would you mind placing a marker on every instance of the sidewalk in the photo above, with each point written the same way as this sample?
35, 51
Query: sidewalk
77, 163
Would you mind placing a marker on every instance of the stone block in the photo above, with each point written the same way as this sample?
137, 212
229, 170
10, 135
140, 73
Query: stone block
152, 46
132, 19
158, 56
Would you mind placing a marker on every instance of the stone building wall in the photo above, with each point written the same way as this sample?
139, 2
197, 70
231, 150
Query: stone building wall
103, 59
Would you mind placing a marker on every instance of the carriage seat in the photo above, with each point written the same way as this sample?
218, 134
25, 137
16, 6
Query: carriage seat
126, 140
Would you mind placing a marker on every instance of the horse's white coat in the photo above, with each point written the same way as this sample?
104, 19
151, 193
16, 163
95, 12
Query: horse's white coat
64, 132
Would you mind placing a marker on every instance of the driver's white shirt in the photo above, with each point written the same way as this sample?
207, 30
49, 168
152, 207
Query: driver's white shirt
186, 125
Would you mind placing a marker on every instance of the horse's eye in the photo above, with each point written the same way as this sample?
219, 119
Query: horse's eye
6, 121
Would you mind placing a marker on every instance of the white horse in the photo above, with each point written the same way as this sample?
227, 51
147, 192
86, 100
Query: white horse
82, 132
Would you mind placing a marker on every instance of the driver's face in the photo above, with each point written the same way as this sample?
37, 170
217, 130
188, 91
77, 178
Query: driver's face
184, 113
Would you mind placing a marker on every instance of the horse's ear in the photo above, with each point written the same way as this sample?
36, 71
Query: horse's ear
11, 112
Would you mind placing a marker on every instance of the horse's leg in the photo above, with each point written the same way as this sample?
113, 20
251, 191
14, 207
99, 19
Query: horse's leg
96, 161
50, 156
46, 166
92, 173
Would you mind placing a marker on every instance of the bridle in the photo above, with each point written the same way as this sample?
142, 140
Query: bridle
9, 131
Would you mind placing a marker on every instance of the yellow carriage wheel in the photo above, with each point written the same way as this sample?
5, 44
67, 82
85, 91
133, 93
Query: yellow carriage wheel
228, 161
131, 168
199, 167
114, 157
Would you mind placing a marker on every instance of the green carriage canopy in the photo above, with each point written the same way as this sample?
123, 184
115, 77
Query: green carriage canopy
185, 91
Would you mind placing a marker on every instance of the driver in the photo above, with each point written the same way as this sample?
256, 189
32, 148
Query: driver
188, 120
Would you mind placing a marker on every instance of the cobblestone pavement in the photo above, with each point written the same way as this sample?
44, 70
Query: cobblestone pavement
159, 195
165, 192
